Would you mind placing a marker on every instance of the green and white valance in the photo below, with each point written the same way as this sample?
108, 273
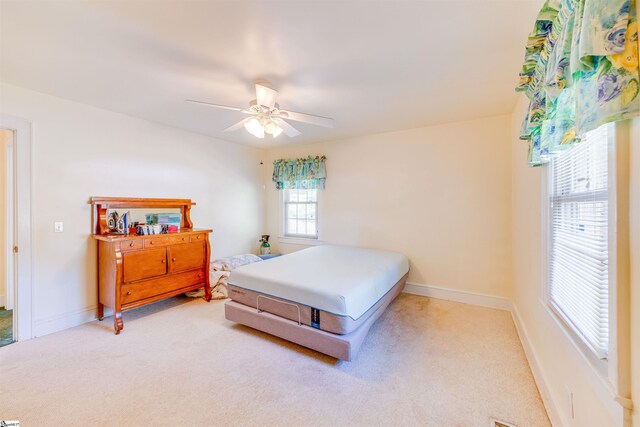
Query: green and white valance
308, 173
580, 72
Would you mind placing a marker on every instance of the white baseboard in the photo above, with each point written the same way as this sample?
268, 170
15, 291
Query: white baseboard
536, 369
64, 321
2, 300
465, 297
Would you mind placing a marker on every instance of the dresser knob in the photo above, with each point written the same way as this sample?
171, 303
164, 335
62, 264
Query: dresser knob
128, 292
164, 260
173, 259
199, 275
131, 244
199, 237
184, 238
151, 242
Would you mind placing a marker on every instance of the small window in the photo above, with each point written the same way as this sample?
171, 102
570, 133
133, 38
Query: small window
301, 213
578, 283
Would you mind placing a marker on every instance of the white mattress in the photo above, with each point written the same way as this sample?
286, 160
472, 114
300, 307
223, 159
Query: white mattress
341, 280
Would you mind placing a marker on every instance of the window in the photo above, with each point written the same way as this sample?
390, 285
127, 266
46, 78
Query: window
301, 213
578, 286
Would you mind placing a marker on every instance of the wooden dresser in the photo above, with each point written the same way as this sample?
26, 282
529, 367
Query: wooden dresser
138, 270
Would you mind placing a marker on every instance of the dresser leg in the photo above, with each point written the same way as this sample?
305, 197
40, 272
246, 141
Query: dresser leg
100, 315
118, 324
207, 293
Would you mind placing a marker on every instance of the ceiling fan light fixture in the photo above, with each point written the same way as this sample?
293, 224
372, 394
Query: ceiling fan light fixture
272, 128
276, 131
254, 127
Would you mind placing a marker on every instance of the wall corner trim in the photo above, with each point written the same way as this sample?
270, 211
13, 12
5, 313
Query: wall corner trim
536, 369
438, 292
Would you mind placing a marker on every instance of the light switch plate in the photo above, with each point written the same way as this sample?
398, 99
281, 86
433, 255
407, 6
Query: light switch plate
58, 227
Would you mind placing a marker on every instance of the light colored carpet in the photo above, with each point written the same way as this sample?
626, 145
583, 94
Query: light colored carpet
179, 362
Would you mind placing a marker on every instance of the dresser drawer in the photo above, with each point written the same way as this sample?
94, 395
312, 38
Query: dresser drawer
186, 257
198, 237
141, 265
131, 292
179, 238
130, 245
156, 241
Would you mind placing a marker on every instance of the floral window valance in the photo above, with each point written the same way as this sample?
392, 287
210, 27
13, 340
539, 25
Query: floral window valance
309, 173
580, 72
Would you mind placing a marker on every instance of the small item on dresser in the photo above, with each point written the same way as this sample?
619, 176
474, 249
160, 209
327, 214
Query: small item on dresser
123, 223
145, 230
112, 220
118, 223
171, 220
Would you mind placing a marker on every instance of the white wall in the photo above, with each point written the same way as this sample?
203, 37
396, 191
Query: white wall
562, 367
441, 195
80, 151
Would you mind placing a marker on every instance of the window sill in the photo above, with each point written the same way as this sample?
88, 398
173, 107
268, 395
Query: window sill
299, 241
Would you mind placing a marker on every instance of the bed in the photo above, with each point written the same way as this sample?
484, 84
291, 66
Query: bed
325, 298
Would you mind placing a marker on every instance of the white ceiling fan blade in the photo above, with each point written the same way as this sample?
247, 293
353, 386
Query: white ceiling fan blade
288, 130
266, 96
308, 118
224, 107
236, 126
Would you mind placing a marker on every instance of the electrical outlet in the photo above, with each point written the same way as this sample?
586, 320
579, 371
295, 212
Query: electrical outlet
58, 227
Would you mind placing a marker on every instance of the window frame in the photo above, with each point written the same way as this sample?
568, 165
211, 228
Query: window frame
604, 366
286, 237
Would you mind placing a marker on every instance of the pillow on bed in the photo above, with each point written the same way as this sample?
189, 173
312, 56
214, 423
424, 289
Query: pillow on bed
233, 262
219, 272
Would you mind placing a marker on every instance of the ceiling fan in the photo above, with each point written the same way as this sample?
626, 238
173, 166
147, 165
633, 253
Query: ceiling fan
267, 117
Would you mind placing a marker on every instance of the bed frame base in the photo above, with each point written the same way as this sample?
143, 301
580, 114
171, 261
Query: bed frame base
343, 347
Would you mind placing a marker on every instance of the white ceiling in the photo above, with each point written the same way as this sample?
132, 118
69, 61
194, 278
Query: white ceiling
374, 66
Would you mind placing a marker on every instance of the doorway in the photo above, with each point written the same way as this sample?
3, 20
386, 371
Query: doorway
15, 227
7, 260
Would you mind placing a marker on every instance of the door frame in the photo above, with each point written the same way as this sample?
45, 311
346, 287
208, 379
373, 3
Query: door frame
22, 225
9, 270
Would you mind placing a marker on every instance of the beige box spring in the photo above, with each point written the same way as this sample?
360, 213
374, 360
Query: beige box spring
291, 310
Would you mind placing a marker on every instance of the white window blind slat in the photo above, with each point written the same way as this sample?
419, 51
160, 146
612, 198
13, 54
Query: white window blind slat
579, 243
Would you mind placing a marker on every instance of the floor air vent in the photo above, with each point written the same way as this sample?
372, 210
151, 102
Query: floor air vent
498, 423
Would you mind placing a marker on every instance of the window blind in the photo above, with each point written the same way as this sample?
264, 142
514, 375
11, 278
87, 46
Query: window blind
579, 251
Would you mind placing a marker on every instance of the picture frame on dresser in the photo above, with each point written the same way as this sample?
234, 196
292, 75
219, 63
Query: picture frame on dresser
135, 270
